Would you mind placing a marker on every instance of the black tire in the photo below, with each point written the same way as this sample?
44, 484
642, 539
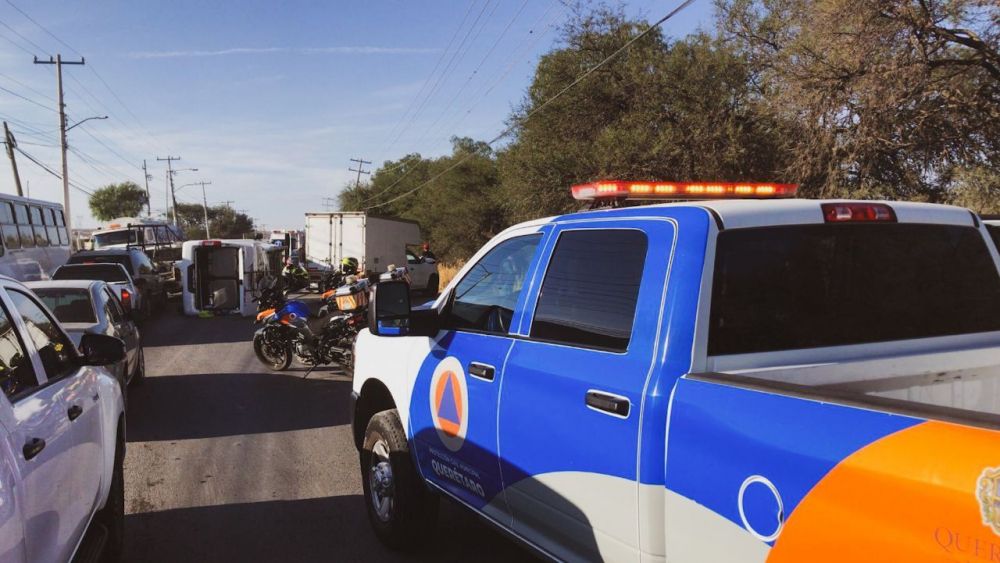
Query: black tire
277, 362
407, 511
112, 516
432, 284
139, 377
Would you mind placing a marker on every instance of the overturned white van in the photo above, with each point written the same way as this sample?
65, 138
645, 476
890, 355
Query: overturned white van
221, 276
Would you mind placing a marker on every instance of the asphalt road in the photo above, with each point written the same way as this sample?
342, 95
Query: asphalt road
227, 461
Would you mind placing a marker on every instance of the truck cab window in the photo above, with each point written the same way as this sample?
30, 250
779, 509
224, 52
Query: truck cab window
485, 298
17, 377
54, 348
582, 303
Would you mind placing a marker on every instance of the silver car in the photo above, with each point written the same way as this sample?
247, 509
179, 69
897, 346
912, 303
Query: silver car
117, 278
91, 306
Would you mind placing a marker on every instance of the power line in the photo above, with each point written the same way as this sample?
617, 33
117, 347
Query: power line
27, 99
460, 90
518, 122
447, 69
50, 170
440, 59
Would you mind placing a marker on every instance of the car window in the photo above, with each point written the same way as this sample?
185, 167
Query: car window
69, 305
17, 377
485, 298
104, 272
54, 349
582, 304
411, 259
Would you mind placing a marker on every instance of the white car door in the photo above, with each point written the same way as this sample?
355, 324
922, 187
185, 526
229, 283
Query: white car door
17, 380
419, 271
57, 431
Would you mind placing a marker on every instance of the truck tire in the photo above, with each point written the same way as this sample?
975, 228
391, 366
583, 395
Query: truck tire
401, 510
112, 516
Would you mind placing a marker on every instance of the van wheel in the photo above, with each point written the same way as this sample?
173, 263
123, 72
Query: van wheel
112, 516
400, 508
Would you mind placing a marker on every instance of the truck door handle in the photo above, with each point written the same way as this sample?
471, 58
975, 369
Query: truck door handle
612, 404
482, 371
33, 448
74, 411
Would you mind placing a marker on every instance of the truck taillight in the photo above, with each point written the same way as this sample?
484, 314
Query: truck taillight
616, 189
126, 298
858, 213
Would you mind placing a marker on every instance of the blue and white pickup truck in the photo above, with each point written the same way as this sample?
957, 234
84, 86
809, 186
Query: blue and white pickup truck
765, 379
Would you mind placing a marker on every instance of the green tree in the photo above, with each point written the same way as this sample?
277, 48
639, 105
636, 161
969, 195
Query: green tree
223, 222
890, 98
117, 200
977, 188
671, 110
458, 211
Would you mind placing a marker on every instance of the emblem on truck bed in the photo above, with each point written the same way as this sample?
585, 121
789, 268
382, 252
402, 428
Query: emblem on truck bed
449, 403
988, 494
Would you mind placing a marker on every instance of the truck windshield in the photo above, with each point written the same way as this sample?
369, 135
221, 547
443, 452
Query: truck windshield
104, 272
810, 286
67, 304
115, 238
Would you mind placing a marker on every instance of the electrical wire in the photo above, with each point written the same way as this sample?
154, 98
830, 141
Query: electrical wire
519, 122
51, 171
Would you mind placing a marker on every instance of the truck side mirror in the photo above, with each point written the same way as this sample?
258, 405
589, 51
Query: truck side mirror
389, 313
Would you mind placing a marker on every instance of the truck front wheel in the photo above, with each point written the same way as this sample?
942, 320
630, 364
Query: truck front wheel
401, 509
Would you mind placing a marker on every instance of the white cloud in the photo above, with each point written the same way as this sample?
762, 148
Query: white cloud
343, 50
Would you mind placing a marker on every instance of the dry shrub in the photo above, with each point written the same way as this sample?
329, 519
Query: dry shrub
446, 272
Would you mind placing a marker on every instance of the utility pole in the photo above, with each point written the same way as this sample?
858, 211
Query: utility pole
170, 181
329, 203
11, 145
204, 200
146, 177
361, 170
228, 203
62, 128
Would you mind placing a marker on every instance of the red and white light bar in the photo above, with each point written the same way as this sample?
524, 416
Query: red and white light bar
615, 189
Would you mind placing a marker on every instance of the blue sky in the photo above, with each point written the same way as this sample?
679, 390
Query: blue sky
268, 100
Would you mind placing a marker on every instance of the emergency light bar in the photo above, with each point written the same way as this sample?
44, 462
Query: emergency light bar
617, 189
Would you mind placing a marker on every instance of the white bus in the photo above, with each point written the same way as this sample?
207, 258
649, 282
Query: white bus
35, 240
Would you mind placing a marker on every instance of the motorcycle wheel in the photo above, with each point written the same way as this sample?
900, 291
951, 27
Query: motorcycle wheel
277, 356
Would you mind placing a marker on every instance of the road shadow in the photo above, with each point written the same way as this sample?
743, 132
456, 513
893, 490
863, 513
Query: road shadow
174, 329
177, 407
320, 530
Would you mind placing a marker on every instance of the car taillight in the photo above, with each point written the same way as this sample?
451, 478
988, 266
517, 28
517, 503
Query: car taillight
858, 213
126, 298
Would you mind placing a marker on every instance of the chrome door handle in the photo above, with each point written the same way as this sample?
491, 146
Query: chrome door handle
612, 404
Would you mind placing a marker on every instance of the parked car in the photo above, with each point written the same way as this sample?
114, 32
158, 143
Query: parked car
92, 307
116, 277
698, 382
64, 437
138, 265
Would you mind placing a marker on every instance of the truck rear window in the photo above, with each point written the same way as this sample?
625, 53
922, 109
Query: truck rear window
122, 259
104, 272
810, 286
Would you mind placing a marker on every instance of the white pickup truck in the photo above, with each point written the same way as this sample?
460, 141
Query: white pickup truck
746, 381
62, 425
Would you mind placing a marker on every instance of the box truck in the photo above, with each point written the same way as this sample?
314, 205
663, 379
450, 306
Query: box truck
377, 243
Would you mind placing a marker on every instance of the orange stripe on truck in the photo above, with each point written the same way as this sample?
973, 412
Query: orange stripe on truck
927, 493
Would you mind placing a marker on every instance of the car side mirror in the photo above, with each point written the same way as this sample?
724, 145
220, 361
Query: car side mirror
101, 349
389, 312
